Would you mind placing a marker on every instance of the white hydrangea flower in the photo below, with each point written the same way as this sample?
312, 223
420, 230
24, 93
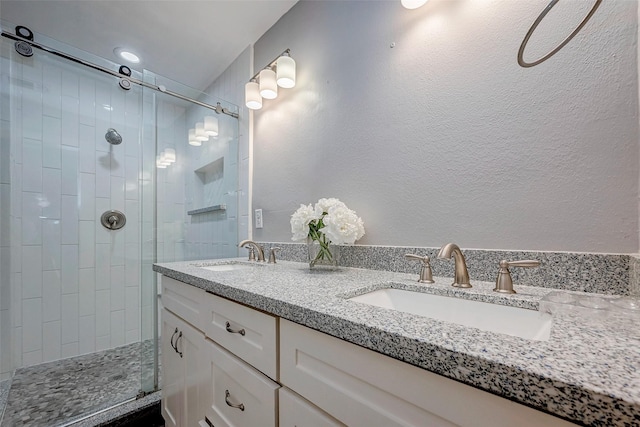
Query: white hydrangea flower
342, 225
300, 222
324, 205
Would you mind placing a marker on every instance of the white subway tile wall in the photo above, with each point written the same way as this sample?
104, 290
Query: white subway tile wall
72, 285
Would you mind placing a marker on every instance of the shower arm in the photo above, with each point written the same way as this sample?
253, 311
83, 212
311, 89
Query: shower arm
218, 108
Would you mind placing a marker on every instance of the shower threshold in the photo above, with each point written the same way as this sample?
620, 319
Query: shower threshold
65, 392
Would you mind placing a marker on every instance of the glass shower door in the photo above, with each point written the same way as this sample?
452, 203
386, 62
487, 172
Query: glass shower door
194, 195
70, 288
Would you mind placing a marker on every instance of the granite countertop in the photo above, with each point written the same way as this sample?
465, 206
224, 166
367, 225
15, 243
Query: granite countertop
587, 372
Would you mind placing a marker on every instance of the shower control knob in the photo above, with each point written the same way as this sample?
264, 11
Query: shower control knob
113, 220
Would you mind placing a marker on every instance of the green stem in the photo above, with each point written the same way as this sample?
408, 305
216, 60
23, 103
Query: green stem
324, 252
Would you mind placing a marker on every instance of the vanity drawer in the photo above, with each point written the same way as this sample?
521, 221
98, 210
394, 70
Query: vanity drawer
249, 334
238, 395
362, 388
183, 300
297, 412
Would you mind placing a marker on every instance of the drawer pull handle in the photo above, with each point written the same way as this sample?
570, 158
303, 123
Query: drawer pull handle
226, 399
171, 340
176, 347
234, 331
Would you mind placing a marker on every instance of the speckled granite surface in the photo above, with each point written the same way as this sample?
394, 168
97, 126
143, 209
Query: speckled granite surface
586, 372
601, 273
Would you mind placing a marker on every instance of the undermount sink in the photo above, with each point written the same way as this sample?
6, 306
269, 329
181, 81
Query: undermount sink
228, 266
519, 322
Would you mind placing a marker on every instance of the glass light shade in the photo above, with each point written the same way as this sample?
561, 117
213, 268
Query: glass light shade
268, 85
200, 133
159, 163
286, 72
170, 155
412, 4
211, 125
192, 138
252, 98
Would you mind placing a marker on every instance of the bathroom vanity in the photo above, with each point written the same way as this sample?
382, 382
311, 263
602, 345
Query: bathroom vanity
256, 344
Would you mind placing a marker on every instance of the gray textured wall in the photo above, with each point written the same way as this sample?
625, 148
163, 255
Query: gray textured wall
444, 137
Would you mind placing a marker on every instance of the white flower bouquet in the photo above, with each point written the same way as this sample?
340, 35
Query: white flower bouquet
329, 221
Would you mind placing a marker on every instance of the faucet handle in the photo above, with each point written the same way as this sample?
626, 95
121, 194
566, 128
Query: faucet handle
272, 255
252, 253
426, 275
504, 283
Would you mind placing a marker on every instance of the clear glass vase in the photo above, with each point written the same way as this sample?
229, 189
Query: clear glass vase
323, 255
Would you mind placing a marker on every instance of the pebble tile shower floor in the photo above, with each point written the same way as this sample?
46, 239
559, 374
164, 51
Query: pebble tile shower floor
55, 393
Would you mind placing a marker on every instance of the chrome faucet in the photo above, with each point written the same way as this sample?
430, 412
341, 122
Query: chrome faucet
461, 275
257, 248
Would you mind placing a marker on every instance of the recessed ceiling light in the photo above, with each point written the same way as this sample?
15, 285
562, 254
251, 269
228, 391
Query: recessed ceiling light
127, 55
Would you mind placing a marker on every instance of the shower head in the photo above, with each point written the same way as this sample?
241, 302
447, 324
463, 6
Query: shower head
113, 137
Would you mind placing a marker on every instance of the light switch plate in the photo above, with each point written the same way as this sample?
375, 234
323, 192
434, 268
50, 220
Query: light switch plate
258, 218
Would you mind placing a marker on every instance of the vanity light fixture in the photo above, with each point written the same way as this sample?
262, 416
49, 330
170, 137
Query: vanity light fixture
170, 155
268, 85
264, 84
412, 4
252, 98
192, 138
211, 125
286, 71
200, 133
161, 161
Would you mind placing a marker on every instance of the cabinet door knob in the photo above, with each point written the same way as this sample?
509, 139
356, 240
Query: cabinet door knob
234, 331
226, 399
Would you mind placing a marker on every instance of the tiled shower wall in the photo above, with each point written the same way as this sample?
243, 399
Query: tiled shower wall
181, 188
230, 86
74, 285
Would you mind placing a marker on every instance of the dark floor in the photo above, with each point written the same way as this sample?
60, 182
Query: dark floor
149, 417
56, 393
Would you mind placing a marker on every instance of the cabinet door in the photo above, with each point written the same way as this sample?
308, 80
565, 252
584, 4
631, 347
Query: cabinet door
239, 395
172, 372
182, 379
191, 345
297, 412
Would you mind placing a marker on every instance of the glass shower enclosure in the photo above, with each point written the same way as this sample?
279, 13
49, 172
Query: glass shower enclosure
79, 155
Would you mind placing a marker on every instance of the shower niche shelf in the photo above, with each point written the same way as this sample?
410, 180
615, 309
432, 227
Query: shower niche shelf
214, 208
209, 181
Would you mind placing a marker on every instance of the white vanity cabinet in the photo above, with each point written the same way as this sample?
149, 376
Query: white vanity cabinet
228, 365
215, 354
